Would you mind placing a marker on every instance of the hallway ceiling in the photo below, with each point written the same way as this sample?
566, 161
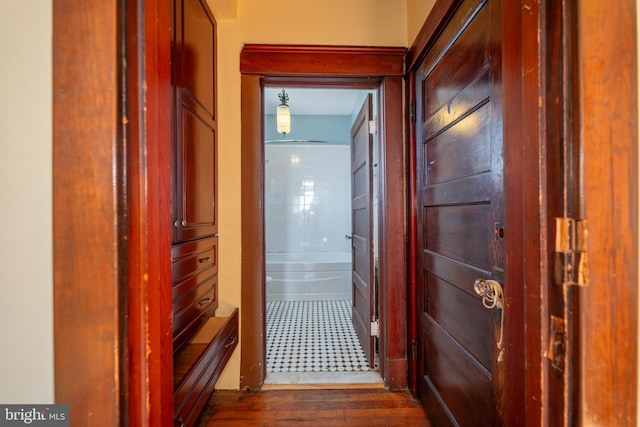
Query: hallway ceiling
316, 101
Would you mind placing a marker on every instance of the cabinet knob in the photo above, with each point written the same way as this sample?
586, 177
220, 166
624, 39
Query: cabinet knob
176, 223
179, 422
183, 223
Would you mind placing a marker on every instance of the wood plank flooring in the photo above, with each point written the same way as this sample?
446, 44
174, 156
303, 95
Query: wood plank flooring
313, 407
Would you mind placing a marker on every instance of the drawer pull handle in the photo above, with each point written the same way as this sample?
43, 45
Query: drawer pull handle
203, 260
230, 341
204, 302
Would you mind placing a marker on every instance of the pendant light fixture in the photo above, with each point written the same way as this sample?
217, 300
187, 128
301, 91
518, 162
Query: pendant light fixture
283, 116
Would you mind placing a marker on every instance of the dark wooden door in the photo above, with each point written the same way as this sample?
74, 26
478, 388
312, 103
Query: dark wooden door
194, 174
459, 218
362, 298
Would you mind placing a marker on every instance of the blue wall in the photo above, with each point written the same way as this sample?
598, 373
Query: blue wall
332, 129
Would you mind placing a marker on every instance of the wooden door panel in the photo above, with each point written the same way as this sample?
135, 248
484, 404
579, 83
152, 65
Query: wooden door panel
450, 270
459, 232
443, 303
194, 130
459, 80
197, 55
459, 194
462, 151
464, 386
197, 175
475, 189
361, 229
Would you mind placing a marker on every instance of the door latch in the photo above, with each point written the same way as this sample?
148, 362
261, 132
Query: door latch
492, 297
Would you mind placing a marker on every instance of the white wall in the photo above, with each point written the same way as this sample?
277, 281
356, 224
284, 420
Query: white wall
26, 278
307, 198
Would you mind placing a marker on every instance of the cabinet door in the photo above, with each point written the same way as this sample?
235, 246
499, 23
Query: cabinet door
195, 150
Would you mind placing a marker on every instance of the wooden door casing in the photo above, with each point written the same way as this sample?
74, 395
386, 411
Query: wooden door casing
459, 219
344, 66
362, 295
111, 162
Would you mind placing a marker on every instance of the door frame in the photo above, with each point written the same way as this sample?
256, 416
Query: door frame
112, 269
325, 66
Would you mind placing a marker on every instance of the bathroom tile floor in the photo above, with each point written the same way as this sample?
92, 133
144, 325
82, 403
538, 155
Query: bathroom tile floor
312, 336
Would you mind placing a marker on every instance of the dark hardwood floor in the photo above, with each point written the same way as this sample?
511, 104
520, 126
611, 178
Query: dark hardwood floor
313, 407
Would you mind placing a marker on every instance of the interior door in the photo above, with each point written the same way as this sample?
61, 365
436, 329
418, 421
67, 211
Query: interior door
459, 219
362, 299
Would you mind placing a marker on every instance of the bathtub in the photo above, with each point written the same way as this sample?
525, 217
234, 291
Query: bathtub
314, 276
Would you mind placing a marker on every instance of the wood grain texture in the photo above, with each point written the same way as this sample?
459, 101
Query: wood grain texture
154, 153
88, 269
459, 163
353, 407
253, 344
393, 257
363, 275
520, 51
608, 113
109, 245
337, 60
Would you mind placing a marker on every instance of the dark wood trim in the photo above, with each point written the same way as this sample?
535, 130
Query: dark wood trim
321, 65
394, 368
274, 60
412, 238
521, 207
608, 111
147, 77
112, 324
88, 243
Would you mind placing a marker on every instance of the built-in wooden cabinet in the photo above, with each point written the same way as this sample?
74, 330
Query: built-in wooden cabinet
203, 338
197, 365
195, 286
194, 122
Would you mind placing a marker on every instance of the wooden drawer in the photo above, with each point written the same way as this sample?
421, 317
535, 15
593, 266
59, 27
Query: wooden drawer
198, 365
190, 309
190, 258
195, 286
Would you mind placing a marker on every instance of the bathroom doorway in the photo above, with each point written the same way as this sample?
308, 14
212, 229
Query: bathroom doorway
377, 68
309, 286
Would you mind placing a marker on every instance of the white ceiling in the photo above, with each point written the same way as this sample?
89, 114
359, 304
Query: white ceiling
315, 101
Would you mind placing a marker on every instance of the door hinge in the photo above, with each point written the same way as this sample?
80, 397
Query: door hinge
412, 111
375, 328
572, 267
414, 349
373, 127
557, 343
